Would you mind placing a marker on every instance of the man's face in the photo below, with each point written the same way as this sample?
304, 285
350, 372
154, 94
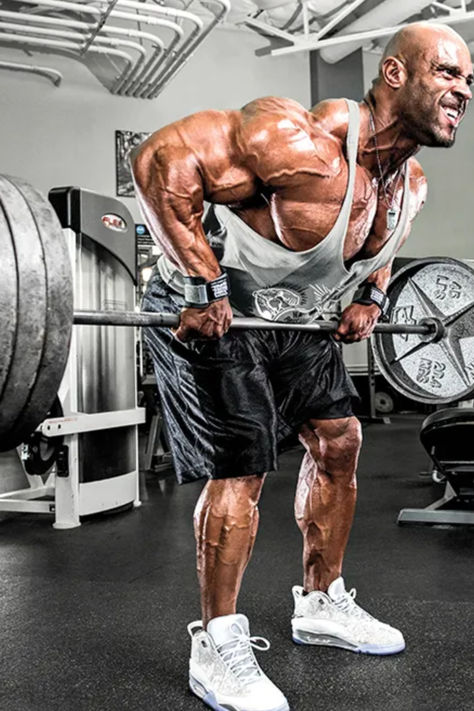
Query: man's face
436, 94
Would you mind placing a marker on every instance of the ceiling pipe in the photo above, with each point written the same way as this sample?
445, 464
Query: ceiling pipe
74, 35
54, 76
165, 78
122, 82
361, 37
51, 44
130, 81
150, 73
385, 14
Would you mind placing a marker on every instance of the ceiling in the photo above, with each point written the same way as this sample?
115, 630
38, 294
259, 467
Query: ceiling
135, 47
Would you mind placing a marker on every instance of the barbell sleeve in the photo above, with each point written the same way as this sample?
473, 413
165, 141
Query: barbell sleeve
145, 318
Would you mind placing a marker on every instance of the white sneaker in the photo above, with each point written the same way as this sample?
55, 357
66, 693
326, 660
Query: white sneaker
223, 670
335, 620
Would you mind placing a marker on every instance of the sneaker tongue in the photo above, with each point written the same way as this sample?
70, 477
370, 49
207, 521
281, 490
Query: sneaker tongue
223, 629
336, 589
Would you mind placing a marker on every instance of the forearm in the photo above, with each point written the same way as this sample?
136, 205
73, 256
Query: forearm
181, 239
381, 277
169, 192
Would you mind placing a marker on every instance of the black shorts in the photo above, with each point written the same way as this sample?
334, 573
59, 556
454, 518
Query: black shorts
231, 405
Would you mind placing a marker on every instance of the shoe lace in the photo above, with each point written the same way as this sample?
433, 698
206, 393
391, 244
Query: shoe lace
237, 654
346, 603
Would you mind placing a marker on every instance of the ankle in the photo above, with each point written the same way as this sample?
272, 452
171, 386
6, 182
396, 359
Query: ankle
320, 583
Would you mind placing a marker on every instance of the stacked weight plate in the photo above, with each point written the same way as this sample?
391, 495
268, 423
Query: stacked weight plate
36, 308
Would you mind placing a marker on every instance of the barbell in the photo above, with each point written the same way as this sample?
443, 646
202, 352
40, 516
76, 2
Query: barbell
432, 328
426, 350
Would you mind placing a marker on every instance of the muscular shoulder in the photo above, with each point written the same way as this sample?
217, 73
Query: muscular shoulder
194, 144
332, 117
279, 138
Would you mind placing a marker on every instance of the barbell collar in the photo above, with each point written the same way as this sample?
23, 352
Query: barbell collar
144, 318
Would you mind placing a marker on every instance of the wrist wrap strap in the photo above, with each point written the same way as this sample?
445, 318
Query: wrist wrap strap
368, 294
199, 293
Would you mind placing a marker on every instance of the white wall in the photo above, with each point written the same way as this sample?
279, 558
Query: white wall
444, 226
65, 136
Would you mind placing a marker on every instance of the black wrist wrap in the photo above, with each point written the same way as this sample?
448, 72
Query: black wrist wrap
199, 293
368, 294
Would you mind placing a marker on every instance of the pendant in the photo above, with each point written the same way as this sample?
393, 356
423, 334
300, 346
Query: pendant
392, 218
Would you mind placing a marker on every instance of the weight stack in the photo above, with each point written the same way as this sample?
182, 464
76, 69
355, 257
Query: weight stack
104, 279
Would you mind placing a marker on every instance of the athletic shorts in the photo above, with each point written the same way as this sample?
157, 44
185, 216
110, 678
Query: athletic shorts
231, 405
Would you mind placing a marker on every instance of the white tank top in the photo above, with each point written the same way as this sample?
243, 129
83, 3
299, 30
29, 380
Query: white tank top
272, 282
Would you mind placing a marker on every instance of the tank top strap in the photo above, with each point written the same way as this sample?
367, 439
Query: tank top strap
338, 232
405, 211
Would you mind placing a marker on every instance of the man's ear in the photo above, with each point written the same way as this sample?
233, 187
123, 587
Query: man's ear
394, 72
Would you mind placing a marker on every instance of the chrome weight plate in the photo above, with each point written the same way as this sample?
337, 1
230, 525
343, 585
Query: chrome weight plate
431, 372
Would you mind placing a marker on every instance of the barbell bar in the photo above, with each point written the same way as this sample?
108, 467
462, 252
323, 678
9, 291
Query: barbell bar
432, 328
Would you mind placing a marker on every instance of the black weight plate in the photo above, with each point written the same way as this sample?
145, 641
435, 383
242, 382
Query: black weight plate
31, 308
436, 373
40, 347
59, 313
8, 300
40, 452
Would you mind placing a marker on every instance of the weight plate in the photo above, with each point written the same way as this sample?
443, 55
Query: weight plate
40, 347
8, 300
384, 402
429, 372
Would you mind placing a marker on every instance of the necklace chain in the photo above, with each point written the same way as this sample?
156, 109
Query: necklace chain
392, 213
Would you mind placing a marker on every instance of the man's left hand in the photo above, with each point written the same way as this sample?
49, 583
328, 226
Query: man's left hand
357, 322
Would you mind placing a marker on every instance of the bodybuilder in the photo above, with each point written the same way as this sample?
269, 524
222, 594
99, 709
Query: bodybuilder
306, 206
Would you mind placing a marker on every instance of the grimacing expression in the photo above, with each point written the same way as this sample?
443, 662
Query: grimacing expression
436, 94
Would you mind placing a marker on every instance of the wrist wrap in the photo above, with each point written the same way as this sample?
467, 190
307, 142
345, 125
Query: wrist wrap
199, 293
368, 294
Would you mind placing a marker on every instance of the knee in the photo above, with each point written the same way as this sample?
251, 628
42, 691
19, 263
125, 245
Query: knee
234, 500
335, 445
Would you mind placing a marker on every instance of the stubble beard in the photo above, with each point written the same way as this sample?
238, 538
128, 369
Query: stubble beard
419, 124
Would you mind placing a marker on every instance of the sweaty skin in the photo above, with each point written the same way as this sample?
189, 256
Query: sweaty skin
283, 170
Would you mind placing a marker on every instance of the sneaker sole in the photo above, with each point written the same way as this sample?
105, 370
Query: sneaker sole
209, 698
324, 640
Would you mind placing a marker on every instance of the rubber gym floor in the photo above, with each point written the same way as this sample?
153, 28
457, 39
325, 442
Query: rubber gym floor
95, 618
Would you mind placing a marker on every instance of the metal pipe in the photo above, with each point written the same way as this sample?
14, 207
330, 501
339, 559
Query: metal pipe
141, 86
54, 76
11, 38
103, 19
341, 15
360, 37
169, 72
128, 81
144, 318
385, 13
122, 82
72, 35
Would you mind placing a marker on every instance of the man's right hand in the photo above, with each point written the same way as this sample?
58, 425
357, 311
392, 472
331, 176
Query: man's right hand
210, 322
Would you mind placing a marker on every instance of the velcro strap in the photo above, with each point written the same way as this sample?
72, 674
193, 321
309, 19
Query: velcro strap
198, 293
369, 294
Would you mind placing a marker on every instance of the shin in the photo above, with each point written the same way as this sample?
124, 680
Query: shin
326, 496
225, 526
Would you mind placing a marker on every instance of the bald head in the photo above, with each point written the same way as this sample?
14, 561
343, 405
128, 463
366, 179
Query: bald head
420, 41
424, 83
